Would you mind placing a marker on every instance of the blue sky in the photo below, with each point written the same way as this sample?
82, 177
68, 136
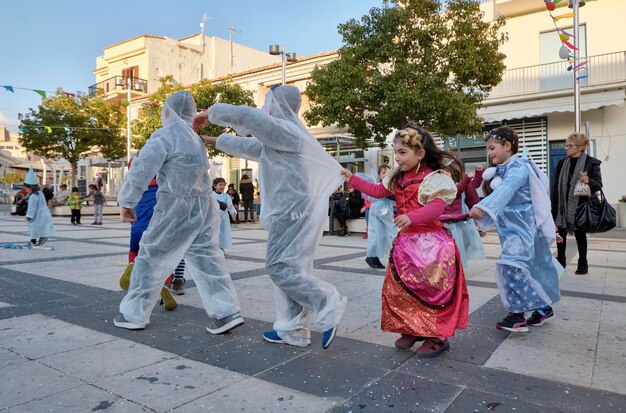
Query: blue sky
50, 44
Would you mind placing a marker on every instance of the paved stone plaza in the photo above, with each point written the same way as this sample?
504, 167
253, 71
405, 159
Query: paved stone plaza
60, 352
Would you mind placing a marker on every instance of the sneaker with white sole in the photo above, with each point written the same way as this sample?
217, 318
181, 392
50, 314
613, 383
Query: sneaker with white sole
538, 318
168, 301
328, 337
178, 286
120, 321
273, 337
513, 322
226, 324
42, 241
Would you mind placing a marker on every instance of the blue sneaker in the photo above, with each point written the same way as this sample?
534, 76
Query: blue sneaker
273, 337
328, 337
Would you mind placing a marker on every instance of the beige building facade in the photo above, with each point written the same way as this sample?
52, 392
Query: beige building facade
142, 61
536, 95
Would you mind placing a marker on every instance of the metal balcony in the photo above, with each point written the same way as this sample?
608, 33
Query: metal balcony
117, 87
602, 69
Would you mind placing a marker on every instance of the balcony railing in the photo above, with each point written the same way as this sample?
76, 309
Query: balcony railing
119, 85
601, 69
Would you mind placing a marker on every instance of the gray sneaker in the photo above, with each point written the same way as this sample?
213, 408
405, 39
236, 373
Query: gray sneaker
226, 324
120, 321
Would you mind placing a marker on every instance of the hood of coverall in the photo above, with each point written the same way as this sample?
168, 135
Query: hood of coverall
179, 107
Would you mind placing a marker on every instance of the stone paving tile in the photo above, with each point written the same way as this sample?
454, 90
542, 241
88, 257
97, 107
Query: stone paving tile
9, 358
569, 361
253, 395
323, 376
86, 398
439, 370
550, 394
397, 392
95, 363
47, 341
372, 333
476, 401
169, 384
246, 355
24, 382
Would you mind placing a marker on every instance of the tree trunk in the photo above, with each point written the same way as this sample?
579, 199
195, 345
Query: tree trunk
74, 172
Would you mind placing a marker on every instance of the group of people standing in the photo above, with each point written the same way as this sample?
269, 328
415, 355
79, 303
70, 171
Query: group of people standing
244, 197
425, 298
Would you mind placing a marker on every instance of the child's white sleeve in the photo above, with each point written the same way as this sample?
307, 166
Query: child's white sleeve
436, 185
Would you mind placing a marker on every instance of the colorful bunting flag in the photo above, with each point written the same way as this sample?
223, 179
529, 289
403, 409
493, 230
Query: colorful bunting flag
9, 89
40, 92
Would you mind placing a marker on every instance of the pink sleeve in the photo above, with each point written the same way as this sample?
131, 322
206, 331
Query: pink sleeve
429, 213
369, 189
460, 187
478, 179
471, 196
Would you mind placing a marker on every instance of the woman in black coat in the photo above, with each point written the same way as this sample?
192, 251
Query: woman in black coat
577, 165
246, 188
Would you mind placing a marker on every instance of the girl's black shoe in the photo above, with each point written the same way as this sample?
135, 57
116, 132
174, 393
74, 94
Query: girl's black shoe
583, 267
374, 262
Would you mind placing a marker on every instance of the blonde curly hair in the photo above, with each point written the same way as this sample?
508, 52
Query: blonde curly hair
411, 137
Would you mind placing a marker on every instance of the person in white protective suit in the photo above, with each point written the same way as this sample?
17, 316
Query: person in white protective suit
185, 223
296, 178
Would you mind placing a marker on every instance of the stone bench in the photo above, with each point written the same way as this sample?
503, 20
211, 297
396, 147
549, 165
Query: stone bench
64, 211
357, 225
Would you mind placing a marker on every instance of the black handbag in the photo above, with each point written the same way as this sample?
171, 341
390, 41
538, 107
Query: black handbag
595, 215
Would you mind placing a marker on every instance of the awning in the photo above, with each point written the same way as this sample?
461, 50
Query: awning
532, 108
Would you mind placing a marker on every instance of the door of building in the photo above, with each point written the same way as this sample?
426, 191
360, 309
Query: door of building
557, 152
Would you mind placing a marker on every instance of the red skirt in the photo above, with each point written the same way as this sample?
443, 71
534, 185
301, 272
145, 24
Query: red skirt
404, 313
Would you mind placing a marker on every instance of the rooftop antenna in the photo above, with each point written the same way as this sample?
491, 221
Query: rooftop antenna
205, 17
231, 30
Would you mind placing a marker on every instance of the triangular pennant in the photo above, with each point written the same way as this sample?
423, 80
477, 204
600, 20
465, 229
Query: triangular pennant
563, 16
48, 129
571, 46
40, 92
580, 65
9, 89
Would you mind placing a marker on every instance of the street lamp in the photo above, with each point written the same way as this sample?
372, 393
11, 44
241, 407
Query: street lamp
129, 85
286, 57
575, 6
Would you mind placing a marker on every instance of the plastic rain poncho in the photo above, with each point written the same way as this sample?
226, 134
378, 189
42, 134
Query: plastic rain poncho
296, 179
226, 239
185, 223
40, 224
381, 230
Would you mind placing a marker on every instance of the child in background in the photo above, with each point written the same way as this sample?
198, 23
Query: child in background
424, 293
98, 204
38, 215
455, 218
380, 228
226, 239
75, 202
519, 207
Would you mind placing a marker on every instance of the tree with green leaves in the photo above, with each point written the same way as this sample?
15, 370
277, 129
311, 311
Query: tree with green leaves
424, 60
73, 128
205, 93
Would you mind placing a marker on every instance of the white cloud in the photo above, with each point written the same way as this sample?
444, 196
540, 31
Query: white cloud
11, 124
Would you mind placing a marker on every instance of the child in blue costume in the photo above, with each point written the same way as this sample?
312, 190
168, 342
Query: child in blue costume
455, 218
519, 207
226, 239
381, 230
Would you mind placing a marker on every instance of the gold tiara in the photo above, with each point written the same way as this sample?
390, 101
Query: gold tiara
410, 135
